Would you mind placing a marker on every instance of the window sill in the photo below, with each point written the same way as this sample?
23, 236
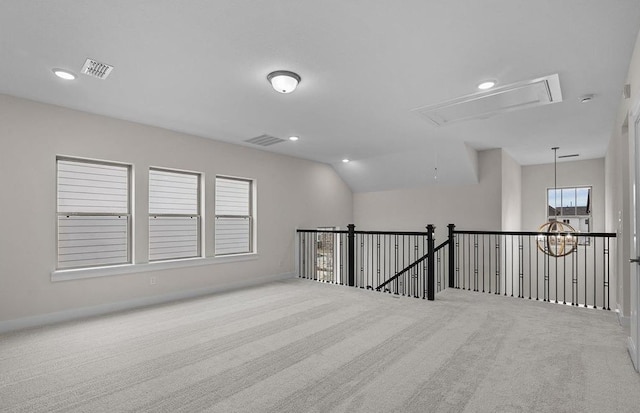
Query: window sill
82, 273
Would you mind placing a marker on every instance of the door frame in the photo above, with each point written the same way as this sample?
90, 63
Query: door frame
634, 226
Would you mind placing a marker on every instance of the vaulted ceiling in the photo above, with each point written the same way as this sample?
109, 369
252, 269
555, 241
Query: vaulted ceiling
200, 67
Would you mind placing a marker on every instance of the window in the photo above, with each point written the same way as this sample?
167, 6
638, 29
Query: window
571, 206
234, 216
93, 208
174, 215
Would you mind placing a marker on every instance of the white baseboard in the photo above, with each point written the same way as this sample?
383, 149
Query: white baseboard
622, 319
84, 312
633, 353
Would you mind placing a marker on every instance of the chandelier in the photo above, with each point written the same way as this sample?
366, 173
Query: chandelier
559, 239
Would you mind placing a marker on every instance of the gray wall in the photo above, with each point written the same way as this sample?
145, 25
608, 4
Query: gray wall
511, 193
291, 193
470, 207
537, 178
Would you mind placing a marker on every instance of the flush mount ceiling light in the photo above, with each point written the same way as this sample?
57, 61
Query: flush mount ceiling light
345, 160
486, 85
293, 138
64, 74
284, 81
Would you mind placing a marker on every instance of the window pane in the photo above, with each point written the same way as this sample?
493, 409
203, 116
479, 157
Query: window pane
233, 197
233, 235
92, 187
583, 200
568, 201
553, 202
173, 237
173, 193
90, 241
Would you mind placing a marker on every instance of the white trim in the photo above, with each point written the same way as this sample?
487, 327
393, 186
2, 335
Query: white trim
622, 320
84, 312
81, 273
632, 352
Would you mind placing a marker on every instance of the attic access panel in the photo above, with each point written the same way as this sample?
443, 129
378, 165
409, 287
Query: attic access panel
521, 95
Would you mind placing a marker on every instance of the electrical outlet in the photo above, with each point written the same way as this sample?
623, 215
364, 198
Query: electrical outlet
152, 281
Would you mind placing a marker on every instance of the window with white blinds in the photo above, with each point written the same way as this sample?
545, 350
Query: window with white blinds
234, 216
174, 215
93, 211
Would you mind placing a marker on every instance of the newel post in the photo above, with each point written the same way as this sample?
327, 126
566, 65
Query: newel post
452, 258
351, 250
431, 287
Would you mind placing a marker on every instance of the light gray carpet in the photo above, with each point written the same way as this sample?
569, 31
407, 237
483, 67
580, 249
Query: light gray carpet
299, 346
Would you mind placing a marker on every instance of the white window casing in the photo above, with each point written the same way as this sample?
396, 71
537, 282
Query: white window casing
174, 215
234, 216
93, 209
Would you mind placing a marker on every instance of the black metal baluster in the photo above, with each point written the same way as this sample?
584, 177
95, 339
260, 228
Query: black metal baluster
430, 263
396, 271
512, 264
498, 260
451, 256
475, 263
606, 281
414, 284
378, 259
537, 270
457, 257
545, 285
595, 271
505, 268
489, 259
484, 241
520, 267
564, 276
574, 279
586, 284
529, 253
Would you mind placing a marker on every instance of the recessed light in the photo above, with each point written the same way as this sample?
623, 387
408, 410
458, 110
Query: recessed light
293, 138
486, 85
345, 160
63, 74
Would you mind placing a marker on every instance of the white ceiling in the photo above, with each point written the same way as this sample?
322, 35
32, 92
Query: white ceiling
200, 67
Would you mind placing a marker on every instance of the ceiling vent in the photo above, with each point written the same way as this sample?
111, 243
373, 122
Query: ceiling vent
96, 69
521, 95
264, 140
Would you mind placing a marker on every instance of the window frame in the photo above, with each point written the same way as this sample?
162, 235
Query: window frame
250, 217
129, 214
562, 217
198, 215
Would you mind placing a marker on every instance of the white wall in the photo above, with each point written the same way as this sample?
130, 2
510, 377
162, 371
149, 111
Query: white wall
469, 207
537, 178
618, 167
511, 194
291, 193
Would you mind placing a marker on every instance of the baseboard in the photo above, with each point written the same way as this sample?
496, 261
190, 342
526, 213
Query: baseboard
622, 319
84, 312
633, 353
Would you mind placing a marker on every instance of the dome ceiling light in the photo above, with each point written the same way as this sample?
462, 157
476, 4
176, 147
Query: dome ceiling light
284, 81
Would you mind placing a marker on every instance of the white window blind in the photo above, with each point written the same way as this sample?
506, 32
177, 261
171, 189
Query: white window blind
93, 214
174, 215
234, 223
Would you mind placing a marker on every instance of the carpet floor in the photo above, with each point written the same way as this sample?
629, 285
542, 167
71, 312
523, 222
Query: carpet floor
303, 346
